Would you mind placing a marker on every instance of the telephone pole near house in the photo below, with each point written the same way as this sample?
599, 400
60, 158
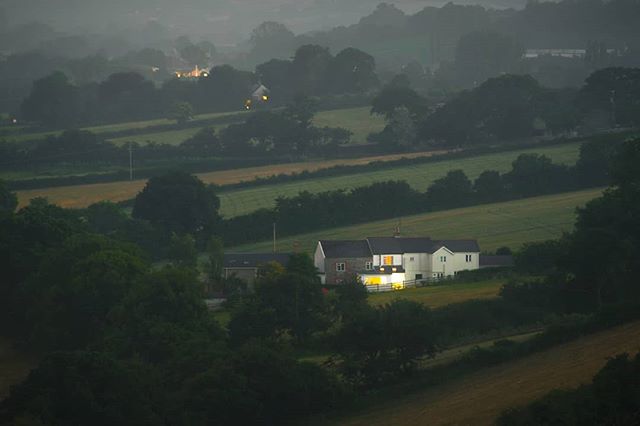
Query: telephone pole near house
274, 237
130, 161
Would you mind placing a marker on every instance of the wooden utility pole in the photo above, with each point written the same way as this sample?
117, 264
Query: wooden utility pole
130, 161
274, 237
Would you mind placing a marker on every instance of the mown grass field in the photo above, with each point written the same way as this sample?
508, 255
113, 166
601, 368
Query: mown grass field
78, 196
357, 120
419, 176
441, 295
116, 127
479, 398
510, 223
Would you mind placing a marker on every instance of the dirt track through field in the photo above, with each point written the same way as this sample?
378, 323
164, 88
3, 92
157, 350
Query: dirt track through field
79, 196
478, 399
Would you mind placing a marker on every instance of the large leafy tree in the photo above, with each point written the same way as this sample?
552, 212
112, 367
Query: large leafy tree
8, 199
483, 54
180, 203
352, 70
81, 388
376, 342
53, 101
455, 189
76, 286
615, 90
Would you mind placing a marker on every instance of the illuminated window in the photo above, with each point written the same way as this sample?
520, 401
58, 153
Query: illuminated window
340, 267
387, 260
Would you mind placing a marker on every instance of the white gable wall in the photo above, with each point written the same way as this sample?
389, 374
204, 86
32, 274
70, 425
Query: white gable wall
318, 258
454, 263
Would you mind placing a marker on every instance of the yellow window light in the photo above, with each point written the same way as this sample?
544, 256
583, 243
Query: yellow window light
265, 98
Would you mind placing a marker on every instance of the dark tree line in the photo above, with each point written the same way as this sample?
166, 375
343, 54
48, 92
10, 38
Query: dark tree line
509, 107
56, 101
593, 266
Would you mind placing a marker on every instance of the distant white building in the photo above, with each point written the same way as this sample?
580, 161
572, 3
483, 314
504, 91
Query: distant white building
394, 261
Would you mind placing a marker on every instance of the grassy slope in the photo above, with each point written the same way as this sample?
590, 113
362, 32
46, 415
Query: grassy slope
83, 195
509, 223
14, 367
479, 398
441, 295
420, 176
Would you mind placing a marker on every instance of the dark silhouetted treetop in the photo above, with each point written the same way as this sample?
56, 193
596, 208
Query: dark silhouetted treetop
179, 202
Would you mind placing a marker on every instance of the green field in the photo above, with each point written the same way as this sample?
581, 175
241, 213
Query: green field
169, 137
420, 176
511, 224
357, 120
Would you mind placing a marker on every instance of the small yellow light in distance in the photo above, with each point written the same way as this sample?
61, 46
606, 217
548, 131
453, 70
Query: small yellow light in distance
265, 98
381, 269
394, 269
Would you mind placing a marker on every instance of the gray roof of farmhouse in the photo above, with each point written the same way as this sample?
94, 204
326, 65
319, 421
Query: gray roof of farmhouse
254, 260
390, 245
457, 246
345, 248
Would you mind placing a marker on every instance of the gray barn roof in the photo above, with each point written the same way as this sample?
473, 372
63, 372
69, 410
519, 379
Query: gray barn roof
345, 248
398, 245
253, 260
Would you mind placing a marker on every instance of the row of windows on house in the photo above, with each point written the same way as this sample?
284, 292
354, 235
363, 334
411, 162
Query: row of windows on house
388, 260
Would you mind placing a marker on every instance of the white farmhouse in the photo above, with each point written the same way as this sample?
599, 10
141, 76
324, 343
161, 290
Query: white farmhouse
394, 261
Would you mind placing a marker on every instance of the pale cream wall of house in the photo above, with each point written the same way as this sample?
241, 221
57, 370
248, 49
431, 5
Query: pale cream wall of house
442, 263
460, 263
447, 263
318, 258
416, 264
